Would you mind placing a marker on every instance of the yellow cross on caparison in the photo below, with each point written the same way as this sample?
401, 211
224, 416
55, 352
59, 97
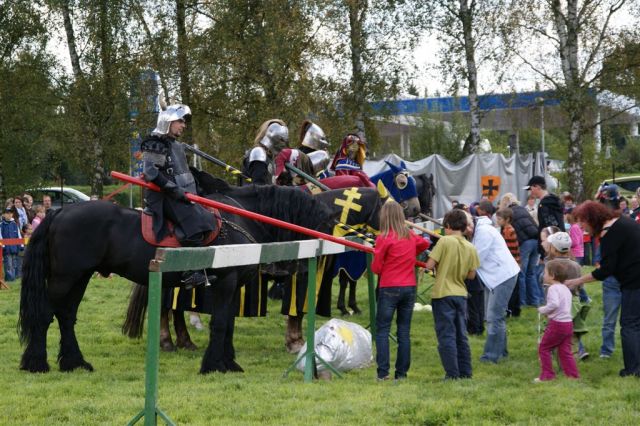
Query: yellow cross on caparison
348, 204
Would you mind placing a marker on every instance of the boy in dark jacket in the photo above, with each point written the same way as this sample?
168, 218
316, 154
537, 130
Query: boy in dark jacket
9, 229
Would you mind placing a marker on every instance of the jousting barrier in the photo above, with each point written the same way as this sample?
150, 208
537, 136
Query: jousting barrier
255, 216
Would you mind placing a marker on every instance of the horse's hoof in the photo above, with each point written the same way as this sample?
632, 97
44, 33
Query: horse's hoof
67, 366
215, 367
34, 365
343, 311
167, 347
295, 346
233, 366
356, 310
188, 345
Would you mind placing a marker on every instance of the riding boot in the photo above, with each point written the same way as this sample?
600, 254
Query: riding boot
191, 279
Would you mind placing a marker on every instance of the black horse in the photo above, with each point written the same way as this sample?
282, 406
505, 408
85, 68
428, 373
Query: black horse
73, 243
362, 212
426, 191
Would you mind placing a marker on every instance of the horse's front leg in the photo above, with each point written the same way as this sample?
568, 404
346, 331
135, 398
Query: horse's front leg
220, 338
341, 295
183, 338
229, 350
166, 343
352, 297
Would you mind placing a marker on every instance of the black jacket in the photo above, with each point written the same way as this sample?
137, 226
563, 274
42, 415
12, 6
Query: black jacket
550, 212
526, 228
165, 164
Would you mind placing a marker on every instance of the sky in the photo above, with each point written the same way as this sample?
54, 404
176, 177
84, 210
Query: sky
426, 57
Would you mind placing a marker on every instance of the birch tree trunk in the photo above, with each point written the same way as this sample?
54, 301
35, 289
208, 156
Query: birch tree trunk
183, 63
466, 17
567, 28
357, 13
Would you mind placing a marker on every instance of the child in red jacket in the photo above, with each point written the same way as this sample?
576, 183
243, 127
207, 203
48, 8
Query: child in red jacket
393, 260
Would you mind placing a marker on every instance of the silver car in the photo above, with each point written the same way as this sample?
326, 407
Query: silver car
59, 196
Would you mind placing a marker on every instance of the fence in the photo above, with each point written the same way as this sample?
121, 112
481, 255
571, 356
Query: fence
185, 259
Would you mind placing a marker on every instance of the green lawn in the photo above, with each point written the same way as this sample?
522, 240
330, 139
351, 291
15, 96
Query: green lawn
114, 393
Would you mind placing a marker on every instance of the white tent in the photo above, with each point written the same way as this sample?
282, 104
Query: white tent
466, 181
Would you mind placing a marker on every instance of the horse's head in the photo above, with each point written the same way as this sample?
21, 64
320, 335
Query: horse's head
401, 186
426, 191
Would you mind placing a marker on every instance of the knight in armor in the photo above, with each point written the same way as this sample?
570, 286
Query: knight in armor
313, 142
165, 164
349, 159
258, 164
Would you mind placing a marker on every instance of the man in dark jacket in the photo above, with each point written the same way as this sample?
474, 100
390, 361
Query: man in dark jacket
550, 208
165, 164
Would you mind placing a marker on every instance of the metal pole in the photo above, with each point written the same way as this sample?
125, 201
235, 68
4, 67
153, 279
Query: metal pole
151, 409
310, 356
372, 297
214, 160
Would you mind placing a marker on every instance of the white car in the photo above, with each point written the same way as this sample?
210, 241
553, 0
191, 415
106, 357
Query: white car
59, 196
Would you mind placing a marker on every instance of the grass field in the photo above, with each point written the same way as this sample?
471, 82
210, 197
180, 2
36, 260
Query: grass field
114, 393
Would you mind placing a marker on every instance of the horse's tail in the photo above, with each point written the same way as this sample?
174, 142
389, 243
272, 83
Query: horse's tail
34, 303
134, 322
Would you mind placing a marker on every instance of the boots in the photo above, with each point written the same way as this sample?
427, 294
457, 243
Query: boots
191, 279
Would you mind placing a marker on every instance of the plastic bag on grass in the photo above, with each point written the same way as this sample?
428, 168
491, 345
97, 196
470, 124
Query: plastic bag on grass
342, 344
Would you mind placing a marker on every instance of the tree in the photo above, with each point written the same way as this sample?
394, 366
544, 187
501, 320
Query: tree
95, 104
27, 95
372, 41
580, 34
469, 31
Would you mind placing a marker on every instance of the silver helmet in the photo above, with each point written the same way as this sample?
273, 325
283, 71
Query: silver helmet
172, 113
319, 160
315, 138
275, 138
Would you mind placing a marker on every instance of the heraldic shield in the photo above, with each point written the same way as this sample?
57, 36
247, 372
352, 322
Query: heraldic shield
490, 186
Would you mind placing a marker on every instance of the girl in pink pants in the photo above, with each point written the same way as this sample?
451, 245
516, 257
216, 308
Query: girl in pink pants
560, 327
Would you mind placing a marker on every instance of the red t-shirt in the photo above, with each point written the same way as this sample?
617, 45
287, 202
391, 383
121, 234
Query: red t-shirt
394, 259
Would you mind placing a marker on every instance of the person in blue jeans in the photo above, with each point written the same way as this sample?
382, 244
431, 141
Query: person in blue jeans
530, 292
393, 260
498, 271
611, 300
9, 229
456, 260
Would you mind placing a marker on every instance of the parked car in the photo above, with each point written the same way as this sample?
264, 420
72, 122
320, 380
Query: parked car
628, 185
58, 196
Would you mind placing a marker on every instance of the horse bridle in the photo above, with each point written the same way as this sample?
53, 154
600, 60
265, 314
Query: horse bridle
234, 225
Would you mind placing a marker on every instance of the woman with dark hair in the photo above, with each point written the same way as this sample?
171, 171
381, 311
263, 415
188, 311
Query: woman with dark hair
620, 245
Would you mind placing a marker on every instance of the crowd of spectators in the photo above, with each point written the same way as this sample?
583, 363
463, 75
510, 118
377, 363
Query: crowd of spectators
19, 219
515, 242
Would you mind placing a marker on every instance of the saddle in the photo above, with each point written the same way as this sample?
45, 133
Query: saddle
170, 240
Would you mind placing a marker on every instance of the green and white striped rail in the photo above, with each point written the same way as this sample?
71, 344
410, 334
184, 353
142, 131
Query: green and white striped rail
188, 259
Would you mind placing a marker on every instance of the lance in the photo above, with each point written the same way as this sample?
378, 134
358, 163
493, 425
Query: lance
324, 187
220, 163
255, 216
430, 219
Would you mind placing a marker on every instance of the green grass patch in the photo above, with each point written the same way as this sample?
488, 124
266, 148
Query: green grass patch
114, 393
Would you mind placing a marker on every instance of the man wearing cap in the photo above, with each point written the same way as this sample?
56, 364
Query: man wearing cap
550, 208
165, 164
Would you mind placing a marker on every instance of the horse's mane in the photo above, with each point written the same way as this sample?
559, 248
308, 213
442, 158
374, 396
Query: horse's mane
289, 204
207, 183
